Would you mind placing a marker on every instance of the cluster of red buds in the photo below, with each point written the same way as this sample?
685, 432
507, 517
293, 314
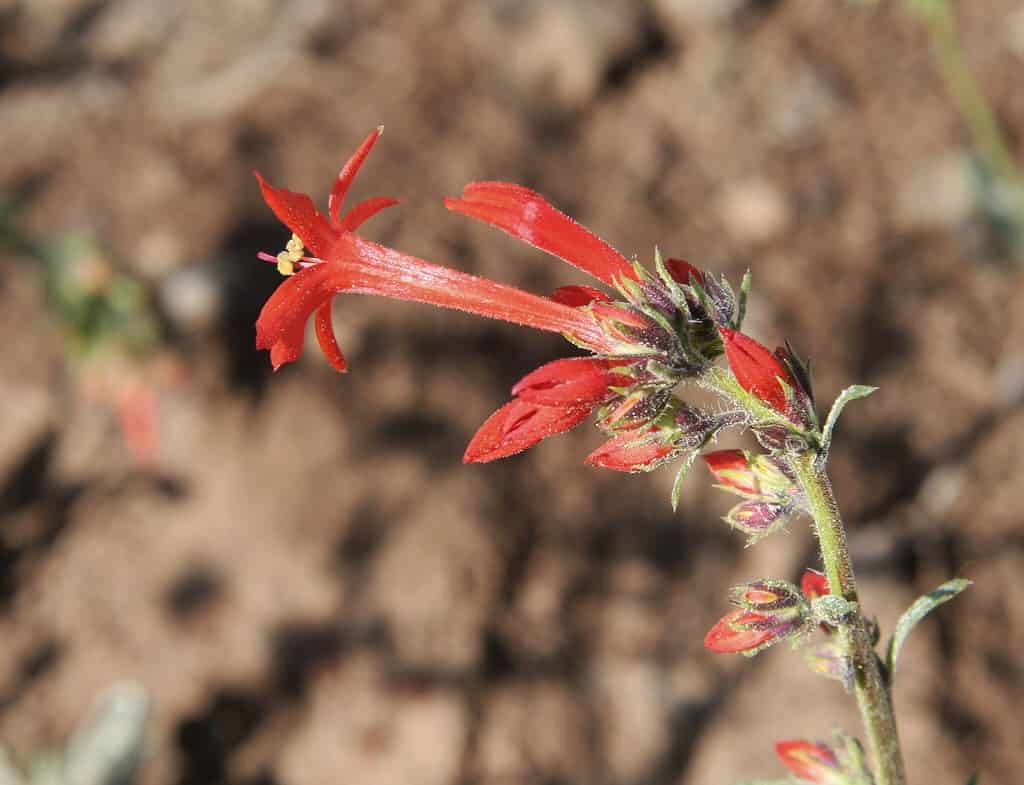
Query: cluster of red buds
768, 611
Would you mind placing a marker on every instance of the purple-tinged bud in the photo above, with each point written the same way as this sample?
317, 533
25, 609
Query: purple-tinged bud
757, 519
637, 408
827, 659
768, 594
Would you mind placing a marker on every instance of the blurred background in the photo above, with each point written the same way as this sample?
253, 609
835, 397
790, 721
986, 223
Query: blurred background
294, 579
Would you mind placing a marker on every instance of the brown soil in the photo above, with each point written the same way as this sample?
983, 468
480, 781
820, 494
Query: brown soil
312, 587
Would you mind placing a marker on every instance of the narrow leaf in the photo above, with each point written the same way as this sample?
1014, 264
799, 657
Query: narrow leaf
684, 469
920, 608
741, 310
847, 395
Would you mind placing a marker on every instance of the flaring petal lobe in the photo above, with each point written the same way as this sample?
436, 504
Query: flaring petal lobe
528, 216
366, 209
325, 337
298, 213
348, 173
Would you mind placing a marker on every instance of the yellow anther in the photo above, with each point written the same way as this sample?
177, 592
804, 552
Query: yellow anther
285, 265
294, 248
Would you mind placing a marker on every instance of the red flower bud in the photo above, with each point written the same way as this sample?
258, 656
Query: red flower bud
520, 424
756, 369
744, 631
682, 271
814, 584
578, 296
811, 762
632, 451
732, 470
574, 381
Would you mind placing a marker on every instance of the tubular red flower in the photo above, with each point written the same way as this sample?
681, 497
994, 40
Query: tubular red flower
810, 762
756, 369
344, 262
578, 296
528, 216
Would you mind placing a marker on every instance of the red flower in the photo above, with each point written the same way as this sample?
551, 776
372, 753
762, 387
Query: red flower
811, 762
341, 261
756, 369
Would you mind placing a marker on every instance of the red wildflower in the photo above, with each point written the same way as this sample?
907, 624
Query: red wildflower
756, 369
341, 261
810, 762
732, 469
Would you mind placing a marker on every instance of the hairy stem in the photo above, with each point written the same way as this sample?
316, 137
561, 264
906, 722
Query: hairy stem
873, 698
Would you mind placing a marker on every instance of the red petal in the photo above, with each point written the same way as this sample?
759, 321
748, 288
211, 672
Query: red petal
518, 425
348, 173
682, 271
367, 208
810, 762
298, 213
281, 325
726, 639
576, 381
139, 421
630, 451
731, 469
325, 336
577, 296
528, 216
814, 584
756, 369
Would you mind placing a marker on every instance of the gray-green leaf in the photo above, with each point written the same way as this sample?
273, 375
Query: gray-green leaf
849, 394
920, 608
684, 469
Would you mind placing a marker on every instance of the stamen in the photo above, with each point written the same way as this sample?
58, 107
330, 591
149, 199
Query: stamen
285, 264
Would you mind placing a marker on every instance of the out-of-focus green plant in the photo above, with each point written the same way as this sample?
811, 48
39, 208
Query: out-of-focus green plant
994, 173
114, 341
107, 748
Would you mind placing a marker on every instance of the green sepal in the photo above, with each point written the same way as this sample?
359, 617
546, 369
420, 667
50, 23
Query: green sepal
920, 608
741, 305
684, 469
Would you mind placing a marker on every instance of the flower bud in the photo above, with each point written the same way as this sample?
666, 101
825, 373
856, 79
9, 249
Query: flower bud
760, 477
639, 450
757, 519
768, 595
749, 632
757, 370
814, 584
811, 762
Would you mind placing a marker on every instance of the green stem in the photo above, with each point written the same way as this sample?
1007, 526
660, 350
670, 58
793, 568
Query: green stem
873, 698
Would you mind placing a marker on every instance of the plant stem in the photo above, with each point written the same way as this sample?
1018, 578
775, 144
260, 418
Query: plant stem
873, 698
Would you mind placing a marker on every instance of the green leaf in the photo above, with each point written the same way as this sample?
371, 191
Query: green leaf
974, 779
741, 310
920, 608
847, 395
684, 469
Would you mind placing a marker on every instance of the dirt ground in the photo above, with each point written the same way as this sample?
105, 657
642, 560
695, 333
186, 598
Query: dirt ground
310, 585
